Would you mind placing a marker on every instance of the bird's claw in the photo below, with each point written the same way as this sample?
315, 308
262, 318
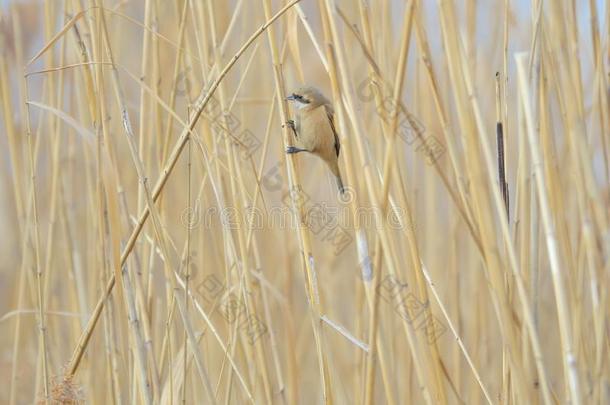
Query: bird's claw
290, 124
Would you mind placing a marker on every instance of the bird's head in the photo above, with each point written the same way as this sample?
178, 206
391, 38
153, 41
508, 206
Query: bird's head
307, 97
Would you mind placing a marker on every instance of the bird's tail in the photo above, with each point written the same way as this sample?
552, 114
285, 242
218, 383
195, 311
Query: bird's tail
334, 167
340, 184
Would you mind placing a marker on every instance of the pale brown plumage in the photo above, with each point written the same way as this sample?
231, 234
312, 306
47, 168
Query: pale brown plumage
314, 128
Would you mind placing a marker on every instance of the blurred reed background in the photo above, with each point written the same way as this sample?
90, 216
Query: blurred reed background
159, 246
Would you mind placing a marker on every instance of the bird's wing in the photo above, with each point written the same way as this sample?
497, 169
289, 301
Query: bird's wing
330, 114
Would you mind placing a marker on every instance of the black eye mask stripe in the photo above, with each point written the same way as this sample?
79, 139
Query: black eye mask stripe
301, 98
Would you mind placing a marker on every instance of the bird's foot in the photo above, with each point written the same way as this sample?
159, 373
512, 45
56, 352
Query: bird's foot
290, 124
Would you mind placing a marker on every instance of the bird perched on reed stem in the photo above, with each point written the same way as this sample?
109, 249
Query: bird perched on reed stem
314, 129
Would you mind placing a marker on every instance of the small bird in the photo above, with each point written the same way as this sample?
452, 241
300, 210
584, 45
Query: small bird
314, 129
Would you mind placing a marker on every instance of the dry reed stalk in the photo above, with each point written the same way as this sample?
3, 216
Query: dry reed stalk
307, 259
551, 242
37, 265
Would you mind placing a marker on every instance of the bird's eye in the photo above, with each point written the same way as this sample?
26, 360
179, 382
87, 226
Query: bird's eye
298, 97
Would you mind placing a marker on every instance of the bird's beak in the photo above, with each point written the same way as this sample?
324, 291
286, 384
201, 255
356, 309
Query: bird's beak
291, 97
